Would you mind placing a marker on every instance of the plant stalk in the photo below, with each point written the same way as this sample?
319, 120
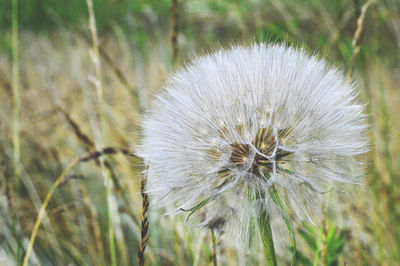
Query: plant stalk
16, 94
266, 238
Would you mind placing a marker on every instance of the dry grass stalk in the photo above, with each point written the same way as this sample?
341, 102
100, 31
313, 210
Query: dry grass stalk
356, 37
102, 52
145, 223
93, 221
101, 141
42, 210
92, 156
112, 65
106, 151
85, 139
95, 53
90, 146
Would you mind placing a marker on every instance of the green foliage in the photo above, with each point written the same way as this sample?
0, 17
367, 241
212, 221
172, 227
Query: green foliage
325, 245
37, 14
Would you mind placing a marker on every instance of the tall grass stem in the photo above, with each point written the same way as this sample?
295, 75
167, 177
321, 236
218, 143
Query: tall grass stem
60, 180
15, 90
42, 210
356, 37
102, 141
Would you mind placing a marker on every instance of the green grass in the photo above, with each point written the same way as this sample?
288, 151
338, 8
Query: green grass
55, 64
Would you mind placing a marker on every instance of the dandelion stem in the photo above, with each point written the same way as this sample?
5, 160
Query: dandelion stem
266, 237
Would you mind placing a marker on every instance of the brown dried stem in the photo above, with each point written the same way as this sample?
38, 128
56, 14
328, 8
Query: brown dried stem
145, 223
89, 146
85, 139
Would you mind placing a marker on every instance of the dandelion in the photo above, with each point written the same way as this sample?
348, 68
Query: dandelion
242, 134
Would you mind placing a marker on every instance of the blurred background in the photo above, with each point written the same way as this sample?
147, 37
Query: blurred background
73, 81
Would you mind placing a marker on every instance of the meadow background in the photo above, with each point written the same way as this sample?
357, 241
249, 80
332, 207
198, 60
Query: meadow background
74, 82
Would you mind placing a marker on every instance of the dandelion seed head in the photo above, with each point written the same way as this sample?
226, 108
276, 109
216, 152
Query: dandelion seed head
261, 119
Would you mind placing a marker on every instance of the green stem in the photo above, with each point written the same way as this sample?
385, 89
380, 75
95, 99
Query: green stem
266, 237
16, 94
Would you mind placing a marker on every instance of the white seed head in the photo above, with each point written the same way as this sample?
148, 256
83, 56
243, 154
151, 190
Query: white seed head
237, 126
